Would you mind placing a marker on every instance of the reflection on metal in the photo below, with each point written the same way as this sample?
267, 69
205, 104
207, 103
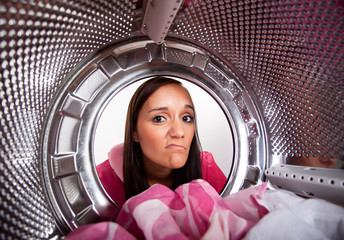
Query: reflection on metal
309, 181
67, 152
292, 55
158, 17
289, 52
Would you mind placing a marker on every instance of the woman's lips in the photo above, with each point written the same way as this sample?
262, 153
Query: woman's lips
175, 147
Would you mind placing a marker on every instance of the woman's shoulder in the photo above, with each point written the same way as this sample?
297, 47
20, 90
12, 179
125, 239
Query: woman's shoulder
111, 174
116, 159
103, 167
207, 158
211, 172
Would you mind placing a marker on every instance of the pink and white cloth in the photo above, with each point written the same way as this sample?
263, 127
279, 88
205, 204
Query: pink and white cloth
196, 211
193, 211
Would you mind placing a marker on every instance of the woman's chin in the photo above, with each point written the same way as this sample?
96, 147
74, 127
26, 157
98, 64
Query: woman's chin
177, 162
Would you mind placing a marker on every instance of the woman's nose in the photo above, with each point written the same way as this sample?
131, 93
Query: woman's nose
176, 130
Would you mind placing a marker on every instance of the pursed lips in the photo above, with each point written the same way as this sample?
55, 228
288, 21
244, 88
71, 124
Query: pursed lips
175, 147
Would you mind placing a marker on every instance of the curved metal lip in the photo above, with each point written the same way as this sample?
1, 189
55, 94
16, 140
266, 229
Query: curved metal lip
69, 176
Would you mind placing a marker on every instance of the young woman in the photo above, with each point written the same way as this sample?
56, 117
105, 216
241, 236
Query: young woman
161, 144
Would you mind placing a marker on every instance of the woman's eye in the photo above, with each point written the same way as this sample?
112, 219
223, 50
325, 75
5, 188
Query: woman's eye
159, 119
188, 119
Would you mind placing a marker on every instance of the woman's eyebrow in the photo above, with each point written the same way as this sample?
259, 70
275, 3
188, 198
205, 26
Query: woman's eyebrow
158, 109
189, 106
166, 108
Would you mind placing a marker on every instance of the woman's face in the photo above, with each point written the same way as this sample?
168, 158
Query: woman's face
165, 128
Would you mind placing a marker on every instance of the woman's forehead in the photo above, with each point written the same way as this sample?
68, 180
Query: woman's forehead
170, 94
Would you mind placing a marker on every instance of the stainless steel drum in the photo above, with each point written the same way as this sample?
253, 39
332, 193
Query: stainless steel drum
274, 67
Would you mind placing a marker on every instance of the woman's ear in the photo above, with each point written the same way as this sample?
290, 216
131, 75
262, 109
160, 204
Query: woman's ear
135, 138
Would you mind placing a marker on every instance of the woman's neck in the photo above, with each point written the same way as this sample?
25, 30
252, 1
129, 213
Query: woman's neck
157, 174
166, 182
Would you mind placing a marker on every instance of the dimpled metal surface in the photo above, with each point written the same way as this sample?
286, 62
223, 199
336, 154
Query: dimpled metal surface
290, 52
41, 42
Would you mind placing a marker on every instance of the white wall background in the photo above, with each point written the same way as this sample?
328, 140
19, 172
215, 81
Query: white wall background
213, 128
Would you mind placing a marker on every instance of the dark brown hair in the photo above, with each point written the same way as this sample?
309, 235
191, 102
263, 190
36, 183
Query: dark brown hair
135, 180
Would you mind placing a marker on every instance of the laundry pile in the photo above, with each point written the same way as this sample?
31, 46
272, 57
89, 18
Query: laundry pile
196, 211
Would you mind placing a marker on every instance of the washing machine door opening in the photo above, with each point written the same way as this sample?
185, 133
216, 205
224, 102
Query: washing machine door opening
70, 148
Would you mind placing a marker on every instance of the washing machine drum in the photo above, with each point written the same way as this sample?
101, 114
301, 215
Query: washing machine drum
274, 68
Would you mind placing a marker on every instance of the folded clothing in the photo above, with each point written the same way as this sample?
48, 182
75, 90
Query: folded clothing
193, 211
196, 211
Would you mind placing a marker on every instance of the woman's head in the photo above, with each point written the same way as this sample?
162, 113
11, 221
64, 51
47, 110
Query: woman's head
161, 142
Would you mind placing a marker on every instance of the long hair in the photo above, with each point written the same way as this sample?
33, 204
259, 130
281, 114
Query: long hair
135, 180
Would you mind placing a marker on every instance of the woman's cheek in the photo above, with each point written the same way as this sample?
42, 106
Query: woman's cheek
154, 134
191, 132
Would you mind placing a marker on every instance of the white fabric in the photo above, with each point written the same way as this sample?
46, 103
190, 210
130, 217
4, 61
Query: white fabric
293, 217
